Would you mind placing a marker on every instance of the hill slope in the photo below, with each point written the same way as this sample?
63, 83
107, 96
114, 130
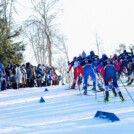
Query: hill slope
64, 112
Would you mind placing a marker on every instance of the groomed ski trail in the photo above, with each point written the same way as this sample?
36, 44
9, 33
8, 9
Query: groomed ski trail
63, 112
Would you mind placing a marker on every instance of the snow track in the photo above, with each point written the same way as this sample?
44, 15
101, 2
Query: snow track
63, 112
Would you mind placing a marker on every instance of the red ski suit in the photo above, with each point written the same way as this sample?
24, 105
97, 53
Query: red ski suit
77, 69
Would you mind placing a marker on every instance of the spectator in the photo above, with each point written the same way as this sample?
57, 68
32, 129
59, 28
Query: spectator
23, 78
19, 75
28, 74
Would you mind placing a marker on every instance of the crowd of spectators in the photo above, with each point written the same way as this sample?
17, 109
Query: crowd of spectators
27, 75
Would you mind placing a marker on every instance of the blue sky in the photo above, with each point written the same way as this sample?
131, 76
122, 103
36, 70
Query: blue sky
112, 20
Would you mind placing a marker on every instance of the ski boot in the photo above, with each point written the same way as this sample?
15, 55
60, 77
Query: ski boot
94, 86
114, 92
106, 99
121, 97
79, 81
94, 89
88, 84
100, 87
85, 91
130, 82
73, 86
110, 86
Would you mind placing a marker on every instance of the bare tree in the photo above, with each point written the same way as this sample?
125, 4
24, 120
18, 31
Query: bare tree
47, 42
131, 46
120, 49
98, 43
37, 40
45, 28
62, 63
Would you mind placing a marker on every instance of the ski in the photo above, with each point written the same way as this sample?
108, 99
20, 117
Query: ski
129, 85
109, 96
112, 101
96, 91
84, 89
126, 85
105, 101
83, 95
70, 89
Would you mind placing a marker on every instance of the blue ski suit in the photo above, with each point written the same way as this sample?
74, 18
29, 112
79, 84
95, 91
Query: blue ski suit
125, 56
86, 63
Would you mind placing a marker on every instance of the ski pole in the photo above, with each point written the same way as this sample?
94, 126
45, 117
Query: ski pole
79, 84
79, 89
95, 83
69, 80
127, 90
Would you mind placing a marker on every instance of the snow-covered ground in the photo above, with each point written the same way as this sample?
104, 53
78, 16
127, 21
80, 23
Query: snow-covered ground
64, 112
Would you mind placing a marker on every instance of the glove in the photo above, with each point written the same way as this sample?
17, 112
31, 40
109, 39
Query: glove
68, 72
68, 63
115, 63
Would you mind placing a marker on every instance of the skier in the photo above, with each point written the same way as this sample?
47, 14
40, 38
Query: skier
115, 60
124, 57
86, 64
109, 72
77, 70
117, 67
131, 63
97, 70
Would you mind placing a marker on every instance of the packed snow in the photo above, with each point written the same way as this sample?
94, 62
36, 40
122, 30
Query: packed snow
64, 112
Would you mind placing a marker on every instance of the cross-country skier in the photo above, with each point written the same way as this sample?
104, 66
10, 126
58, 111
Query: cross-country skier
117, 67
77, 70
124, 57
97, 69
109, 72
131, 63
86, 63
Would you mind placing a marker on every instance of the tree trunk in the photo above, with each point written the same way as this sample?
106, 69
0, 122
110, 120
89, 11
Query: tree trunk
49, 51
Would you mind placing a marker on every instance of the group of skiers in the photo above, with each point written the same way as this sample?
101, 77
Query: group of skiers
26, 75
104, 71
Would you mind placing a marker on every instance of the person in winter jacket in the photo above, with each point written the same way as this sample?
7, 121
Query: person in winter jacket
33, 76
54, 78
28, 74
39, 75
19, 75
8, 71
23, 78
2, 79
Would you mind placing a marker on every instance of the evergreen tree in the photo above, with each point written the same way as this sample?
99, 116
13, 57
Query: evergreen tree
11, 50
